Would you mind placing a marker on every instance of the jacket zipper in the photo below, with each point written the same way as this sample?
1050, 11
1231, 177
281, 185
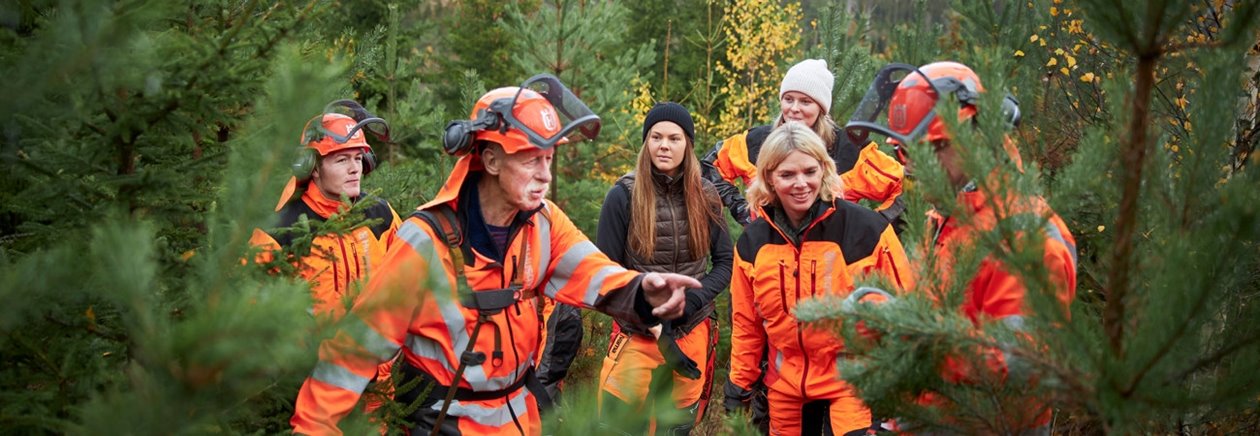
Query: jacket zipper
800, 335
336, 274
673, 223
783, 287
896, 272
358, 261
813, 278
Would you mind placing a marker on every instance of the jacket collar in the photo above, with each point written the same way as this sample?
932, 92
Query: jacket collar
665, 181
321, 204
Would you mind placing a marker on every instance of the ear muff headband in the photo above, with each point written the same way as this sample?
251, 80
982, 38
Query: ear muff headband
458, 137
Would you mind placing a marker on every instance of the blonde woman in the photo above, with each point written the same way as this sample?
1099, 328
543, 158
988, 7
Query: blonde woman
806, 242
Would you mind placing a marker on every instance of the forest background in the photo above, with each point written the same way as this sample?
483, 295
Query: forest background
144, 139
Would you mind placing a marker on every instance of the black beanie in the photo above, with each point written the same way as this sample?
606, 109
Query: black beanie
670, 111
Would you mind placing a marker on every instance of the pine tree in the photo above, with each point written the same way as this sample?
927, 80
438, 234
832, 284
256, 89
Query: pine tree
579, 43
138, 158
1162, 336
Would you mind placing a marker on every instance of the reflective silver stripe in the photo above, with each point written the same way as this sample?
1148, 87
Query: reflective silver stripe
429, 349
1054, 232
569, 263
338, 376
422, 243
543, 227
477, 379
371, 340
597, 283
448, 306
488, 416
828, 265
778, 362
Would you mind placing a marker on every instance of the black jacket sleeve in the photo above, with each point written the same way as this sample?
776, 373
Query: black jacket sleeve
721, 253
730, 195
614, 224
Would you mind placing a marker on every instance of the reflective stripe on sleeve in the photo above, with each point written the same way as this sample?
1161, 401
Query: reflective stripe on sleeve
1054, 232
339, 376
376, 345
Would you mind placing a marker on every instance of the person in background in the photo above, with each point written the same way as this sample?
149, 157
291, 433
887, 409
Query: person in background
458, 296
805, 97
806, 242
994, 293
665, 217
333, 162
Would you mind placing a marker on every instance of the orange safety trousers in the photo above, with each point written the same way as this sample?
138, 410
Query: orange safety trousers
791, 415
627, 370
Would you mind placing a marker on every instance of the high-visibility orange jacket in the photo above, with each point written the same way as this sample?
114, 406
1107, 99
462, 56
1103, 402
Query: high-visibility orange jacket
336, 262
996, 294
842, 243
413, 303
867, 172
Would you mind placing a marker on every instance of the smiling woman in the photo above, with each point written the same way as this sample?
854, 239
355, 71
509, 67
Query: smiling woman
807, 242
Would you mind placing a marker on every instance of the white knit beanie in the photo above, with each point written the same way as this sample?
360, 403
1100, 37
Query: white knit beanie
810, 77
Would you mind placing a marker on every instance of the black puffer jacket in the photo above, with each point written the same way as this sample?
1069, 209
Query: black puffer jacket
672, 252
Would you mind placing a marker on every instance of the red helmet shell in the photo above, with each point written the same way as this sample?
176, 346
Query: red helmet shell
531, 109
915, 98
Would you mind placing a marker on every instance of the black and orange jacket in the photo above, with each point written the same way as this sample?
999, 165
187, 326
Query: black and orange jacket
414, 303
867, 172
336, 262
842, 243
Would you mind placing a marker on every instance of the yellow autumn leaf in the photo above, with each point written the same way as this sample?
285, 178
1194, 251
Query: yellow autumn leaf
1019, 53
1033, 38
1181, 102
1065, 71
1071, 61
1058, 51
1052, 62
1087, 77
1101, 228
1187, 126
1054, 12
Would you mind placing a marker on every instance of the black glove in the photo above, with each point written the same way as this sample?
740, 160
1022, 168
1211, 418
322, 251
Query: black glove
674, 356
737, 398
739, 211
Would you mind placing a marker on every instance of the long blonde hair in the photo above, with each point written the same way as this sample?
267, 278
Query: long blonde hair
783, 140
702, 207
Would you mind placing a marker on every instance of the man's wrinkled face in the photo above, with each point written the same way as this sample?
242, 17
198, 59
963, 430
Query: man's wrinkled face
525, 177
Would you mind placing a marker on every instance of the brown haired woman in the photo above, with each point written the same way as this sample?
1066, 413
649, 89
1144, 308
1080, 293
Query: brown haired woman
665, 217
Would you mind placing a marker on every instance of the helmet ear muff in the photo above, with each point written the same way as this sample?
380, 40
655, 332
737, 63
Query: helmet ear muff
304, 166
369, 161
1010, 111
458, 139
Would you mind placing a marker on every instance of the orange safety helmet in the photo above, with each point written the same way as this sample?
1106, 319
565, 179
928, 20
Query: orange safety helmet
911, 111
340, 127
910, 95
540, 113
